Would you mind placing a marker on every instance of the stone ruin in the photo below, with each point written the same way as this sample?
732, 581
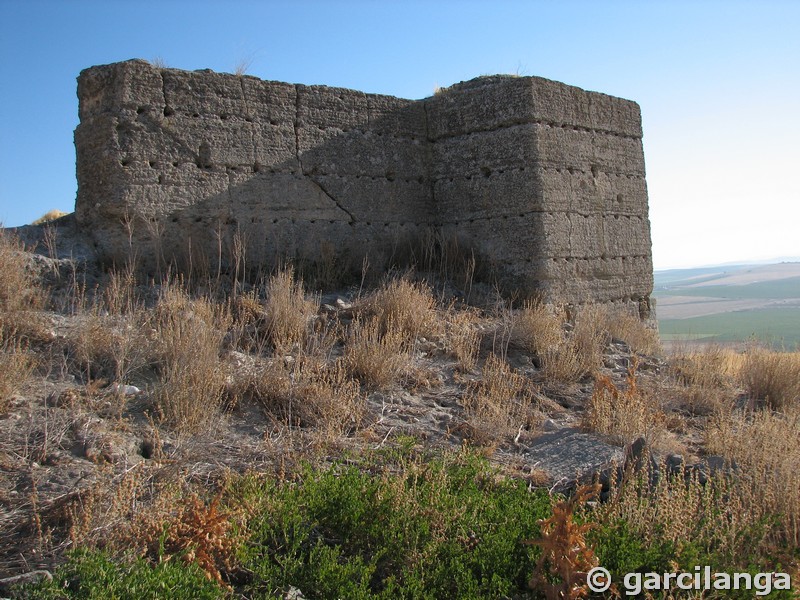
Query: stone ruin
543, 182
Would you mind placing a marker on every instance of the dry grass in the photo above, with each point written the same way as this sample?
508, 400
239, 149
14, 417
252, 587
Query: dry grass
565, 356
188, 339
772, 376
307, 392
500, 404
765, 447
405, 307
711, 367
683, 510
111, 348
288, 314
376, 353
538, 328
19, 289
462, 337
50, 215
16, 366
624, 414
705, 380
633, 331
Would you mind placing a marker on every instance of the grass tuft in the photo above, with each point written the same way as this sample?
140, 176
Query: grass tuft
773, 377
189, 335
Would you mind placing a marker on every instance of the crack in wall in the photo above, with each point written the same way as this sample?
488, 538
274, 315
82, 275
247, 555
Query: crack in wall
296, 124
334, 200
249, 118
430, 166
163, 88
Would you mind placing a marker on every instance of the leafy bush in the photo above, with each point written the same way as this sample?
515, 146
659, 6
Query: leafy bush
443, 529
90, 574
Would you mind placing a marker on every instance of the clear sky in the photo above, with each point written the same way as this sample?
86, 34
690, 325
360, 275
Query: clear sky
718, 84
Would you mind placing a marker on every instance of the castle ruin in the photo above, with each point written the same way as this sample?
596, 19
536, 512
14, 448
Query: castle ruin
543, 181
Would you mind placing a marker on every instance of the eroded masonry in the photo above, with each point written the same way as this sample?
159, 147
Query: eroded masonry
545, 182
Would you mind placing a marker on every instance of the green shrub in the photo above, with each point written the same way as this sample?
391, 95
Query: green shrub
443, 529
93, 575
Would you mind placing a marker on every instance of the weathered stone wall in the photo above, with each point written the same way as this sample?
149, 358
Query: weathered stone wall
544, 181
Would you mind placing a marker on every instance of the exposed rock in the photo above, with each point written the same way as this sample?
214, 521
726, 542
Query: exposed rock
568, 454
32, 577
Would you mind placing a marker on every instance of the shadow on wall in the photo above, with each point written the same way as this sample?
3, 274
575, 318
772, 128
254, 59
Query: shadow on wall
542, 183
220, 173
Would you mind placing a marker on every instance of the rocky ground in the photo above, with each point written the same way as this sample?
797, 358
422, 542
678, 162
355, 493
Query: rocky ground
71, 444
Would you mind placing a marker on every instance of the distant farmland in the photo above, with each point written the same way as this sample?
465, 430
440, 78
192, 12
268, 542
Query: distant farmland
731, 304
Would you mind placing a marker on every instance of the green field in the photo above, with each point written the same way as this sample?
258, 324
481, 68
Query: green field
781, 289
779, 327
769, 311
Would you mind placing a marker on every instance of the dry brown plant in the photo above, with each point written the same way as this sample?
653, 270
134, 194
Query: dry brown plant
624, 414
288, 314
198, 533
705, 379
710, 367
772, 376
188, 340
20, 291
403, 306
765, 447
562, 568
108, 347
308, 392
538, 328
590, 337
150, 513
680, 508
16, 366
500, 404
579, 353
640, 338
462, 337
376, 353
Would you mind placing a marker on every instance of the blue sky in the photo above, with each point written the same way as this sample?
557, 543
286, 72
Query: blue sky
718, 83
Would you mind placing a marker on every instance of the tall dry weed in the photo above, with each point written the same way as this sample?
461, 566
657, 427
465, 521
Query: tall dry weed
500, 404
308, 392
462, 337
765, 447
538, 328
18, 286
772, 376
16, 366
705, 379
712, 366
376, 352
405, 307
682, 509
102, 346
20, 292
624, 414
640, 338
189, 335
288, 313
579, 352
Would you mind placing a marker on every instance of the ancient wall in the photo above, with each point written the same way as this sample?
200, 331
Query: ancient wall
544, 181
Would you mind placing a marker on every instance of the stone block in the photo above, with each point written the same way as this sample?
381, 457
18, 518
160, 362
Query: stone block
543, 181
